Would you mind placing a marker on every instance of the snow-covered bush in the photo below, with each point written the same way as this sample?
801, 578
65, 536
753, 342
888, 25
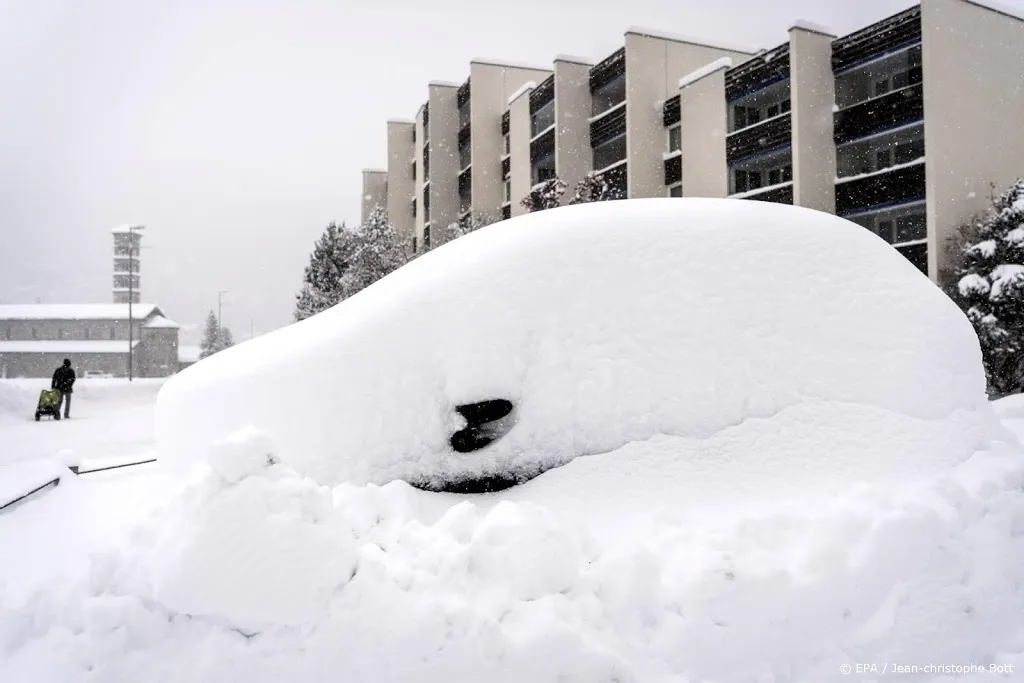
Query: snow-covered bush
464, 226
545, 195
596, 188
990, 287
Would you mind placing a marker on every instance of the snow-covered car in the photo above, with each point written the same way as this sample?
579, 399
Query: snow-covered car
718, 440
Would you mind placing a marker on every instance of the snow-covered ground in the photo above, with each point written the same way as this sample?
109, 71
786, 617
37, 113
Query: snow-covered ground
109, 417
814, 489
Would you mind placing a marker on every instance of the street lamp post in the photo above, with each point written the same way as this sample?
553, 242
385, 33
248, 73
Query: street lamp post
131, 296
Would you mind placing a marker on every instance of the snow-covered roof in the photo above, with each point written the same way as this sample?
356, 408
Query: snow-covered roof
188, 354
65, 346
574, 59
508, 65
706, 70
444, 84
523, 89
160, 322
404, 122
374, 170
679, 38
75, 311
812, 27
124, 229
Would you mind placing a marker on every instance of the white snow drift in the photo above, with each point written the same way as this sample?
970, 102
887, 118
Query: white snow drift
790, 470
605, 325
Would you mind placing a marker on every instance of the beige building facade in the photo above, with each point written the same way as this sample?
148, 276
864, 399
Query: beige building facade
839, 124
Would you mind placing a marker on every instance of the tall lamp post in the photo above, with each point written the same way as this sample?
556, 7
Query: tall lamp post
131, 295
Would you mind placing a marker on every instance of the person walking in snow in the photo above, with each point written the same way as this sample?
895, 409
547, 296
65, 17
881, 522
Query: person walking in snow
64, 381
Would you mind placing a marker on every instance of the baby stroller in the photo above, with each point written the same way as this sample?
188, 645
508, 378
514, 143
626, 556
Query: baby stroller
49, 404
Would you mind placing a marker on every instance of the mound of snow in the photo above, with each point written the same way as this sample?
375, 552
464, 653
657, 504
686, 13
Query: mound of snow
275, 578
604, 324
17, 401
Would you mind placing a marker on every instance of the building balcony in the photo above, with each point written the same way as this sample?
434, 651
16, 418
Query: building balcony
543, 145
777, 194
887, 187
885, 36
670, 111
608, 126
889, 111
673, 169
762, 137
758, 72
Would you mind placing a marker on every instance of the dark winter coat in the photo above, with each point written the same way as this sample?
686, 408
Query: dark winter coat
63, 379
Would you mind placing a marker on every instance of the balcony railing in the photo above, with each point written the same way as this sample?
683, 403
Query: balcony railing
506, 167
542, 94
761, 137
608, 69
757, 72
885, 36
673, 169
880, 113
543, 145
895, 186
608, 127
505, 123
670, 112
782, 194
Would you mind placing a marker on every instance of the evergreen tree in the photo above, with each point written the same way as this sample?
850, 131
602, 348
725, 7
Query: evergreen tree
226, 340
378, 252
214, 338
546, 195
595, 188
322, 285
990, 288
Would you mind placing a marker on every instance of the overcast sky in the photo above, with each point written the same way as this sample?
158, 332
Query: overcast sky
235, 130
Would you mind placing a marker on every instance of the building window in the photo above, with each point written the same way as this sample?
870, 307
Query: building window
465, 156
507, 195
608, 95
610, 152
506, 212
543, 169
675, 190
413, 203
414, 170
739, 181
674, 138
426, 237
911, 228
508, 144
415, 244
112, 333
883, 159
426, 208
542, 119
910, 150
881, 87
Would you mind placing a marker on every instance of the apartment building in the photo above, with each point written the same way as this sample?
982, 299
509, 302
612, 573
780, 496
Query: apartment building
837, 124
